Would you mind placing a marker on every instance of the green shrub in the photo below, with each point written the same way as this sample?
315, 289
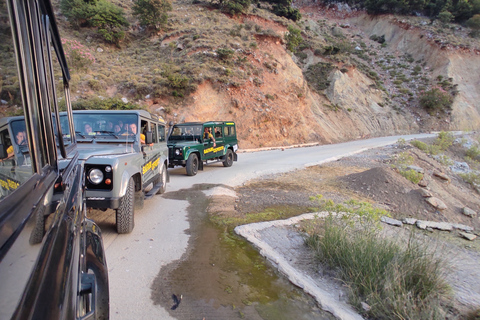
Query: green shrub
419, 145
225, 53
317, 75
474, 24
103, 104
110, 21
287, 12
471, 177
95, 85
152, 13
412, 175
444, 140
235, 7
78, 12
177, 81
473, 153
436, 99
445, 17
293, 38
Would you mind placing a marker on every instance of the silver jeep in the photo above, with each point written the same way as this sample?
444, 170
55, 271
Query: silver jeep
125, 153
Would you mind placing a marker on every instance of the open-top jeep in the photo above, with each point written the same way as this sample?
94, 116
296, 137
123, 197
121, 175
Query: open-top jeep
125, 152
192, 143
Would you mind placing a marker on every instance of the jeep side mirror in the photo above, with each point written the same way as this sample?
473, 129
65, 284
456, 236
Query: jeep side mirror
148, 137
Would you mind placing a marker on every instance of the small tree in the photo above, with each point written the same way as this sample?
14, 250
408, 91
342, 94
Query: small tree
287, 12
78, 12
152, 13
235, 7
110, 21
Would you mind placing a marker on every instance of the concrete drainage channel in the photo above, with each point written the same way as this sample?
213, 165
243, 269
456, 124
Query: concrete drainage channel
221, 276
280, 243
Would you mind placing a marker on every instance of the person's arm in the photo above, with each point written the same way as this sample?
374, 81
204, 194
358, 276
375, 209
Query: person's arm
213, 139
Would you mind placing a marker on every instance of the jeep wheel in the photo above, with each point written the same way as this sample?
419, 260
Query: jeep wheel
192, 164
163, 180
125, 211
228, 159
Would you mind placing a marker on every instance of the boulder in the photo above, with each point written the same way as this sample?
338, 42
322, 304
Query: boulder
436, 203
424, 193
468, 236
442, 176
469, 212
423, 183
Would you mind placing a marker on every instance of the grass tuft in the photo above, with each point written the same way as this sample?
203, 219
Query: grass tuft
396, 282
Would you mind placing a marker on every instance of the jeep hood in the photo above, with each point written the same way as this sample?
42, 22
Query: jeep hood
88, 150
183, 143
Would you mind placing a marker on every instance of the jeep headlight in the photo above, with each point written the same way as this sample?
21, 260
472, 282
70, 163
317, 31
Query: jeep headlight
95, 176
178, 152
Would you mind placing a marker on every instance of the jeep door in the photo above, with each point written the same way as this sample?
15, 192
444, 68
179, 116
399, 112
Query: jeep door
208, 149
217, 132
152, 153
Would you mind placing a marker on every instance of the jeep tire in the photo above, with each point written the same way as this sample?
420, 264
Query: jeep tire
228, 159
192, 164
125, 211
162, 179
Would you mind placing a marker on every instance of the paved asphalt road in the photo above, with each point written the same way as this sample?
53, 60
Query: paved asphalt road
159, 237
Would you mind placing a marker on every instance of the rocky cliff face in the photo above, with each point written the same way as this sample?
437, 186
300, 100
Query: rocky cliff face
278, 108
460, 64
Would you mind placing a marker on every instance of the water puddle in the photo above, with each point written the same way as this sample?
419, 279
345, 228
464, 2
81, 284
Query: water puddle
221, 276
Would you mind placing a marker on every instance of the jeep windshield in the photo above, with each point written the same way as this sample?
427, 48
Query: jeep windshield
186, 133
106, 126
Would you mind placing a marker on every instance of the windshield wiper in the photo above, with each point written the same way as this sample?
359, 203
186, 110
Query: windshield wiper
109, 132
80, 134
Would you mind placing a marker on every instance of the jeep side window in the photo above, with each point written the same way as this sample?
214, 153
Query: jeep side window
13, 169
218, 132
229, 131
161, 132
56, 93
153, 128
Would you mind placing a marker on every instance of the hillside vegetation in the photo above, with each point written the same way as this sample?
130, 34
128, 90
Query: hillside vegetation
335, 74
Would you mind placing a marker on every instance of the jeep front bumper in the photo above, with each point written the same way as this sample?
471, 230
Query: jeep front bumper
103, 203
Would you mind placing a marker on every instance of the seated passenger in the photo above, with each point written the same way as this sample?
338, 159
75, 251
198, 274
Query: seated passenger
208, 135
133, 130
21, 138
88, 129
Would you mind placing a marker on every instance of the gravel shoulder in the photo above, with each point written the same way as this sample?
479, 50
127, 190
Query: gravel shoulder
370, 176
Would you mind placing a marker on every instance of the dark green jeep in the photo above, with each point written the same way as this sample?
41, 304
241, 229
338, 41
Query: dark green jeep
192, 143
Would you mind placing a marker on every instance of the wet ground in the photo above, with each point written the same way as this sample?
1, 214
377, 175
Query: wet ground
221, 276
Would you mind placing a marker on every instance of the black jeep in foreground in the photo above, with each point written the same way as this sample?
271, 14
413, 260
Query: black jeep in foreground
191, 144
52, 261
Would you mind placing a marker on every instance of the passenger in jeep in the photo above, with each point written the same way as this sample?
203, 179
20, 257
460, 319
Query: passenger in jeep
208, 135
88, 129
133, 130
